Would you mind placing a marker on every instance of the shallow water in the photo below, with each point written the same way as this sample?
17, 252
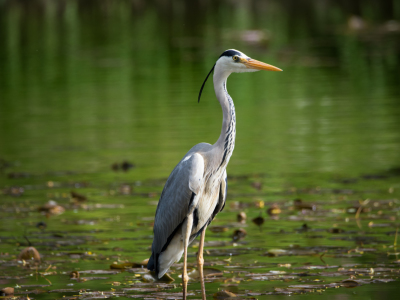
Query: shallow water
85, 86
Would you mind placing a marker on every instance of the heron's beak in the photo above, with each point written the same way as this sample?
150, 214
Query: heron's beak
258, 65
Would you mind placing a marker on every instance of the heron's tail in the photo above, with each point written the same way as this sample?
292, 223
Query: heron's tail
150, 264
169, 256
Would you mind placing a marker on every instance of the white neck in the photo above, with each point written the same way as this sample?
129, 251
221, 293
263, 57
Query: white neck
226, 140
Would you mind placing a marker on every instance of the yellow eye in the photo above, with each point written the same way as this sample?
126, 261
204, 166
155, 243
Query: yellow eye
235, 57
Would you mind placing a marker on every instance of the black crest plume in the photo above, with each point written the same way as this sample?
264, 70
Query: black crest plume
228, 53
205, 82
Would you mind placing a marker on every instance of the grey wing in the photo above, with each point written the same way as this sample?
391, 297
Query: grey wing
177, 199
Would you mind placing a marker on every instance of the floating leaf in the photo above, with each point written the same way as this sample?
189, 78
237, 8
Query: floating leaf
129, 265
239, 234
335, 230
151, 277
304, 228
74, 275
349, 283
211, 272
7, 291
142, 264
274, 210
126, 166
78, 197
29, 253
125, 189
41, 225
218, 229
51, 208
98, 272
276, 252
300, 205
258, 221
122, 266
357, 209
241, 217
259, 204
223, 295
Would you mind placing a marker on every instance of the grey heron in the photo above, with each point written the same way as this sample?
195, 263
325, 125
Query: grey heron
195, 191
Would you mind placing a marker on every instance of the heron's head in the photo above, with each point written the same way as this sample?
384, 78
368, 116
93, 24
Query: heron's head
234, 61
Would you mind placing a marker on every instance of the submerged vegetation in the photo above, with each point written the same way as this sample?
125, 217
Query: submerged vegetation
98, 248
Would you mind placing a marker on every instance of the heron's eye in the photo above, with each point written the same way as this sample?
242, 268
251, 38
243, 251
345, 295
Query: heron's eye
235, 58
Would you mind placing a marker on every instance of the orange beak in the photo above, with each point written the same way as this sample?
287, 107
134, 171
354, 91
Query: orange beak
258, 65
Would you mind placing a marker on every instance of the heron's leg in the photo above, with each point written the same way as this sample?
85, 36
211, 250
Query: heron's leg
186, 231
200, 261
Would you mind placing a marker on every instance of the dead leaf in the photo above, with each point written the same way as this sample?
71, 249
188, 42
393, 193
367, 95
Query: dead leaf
274, 210
218, 229
29, 253
78, 197
74, 275
7, 291
241, 217
349, 283
223, 295
239, 234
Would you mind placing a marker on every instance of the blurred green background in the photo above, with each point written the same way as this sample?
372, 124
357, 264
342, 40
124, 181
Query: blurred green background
86, 83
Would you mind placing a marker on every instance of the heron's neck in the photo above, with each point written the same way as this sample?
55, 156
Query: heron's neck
226, 140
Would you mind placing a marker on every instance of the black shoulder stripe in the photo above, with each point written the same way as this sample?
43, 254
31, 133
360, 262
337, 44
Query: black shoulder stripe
195, 218
191, 199
171, 236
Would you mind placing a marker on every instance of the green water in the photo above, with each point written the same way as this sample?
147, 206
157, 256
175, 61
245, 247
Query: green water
84, 85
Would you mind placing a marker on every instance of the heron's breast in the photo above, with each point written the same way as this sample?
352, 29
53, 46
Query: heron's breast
205, 207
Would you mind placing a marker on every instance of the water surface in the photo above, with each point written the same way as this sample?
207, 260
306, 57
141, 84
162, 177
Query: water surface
85, 85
